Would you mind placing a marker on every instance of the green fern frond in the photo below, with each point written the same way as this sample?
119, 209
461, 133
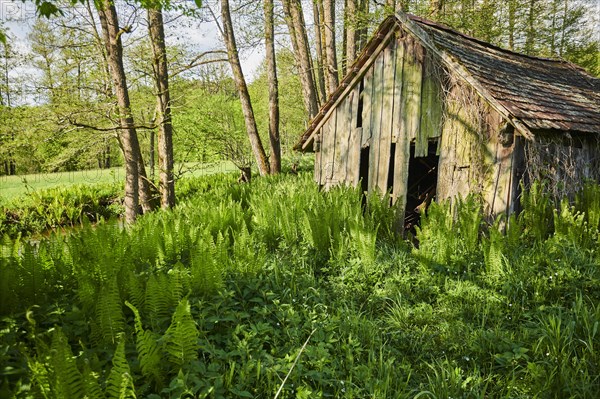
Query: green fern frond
207, 261
40, 375
109, 312
181, 338
148, 349
158, 302
119, 384
68, 381
135, 289
179, 282
91, 384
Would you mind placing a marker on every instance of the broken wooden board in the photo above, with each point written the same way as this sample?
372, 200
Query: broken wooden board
376, 109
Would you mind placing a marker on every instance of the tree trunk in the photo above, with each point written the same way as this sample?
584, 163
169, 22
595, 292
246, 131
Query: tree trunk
362, 32
435, 7
530, 32
275, 158
351, 27
342, 64
297, 27
512, 17
151, 153
563, 32
165, 127
128, 135
318, 23
331, 68
242, 88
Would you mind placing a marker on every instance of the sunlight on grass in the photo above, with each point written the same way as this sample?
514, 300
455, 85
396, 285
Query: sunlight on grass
14, 186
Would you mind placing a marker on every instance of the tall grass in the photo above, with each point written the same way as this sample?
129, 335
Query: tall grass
218, 297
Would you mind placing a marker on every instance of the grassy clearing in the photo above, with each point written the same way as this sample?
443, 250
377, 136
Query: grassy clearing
15, 186
217, 299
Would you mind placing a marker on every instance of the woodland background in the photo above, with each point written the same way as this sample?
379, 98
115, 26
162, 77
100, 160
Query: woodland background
57, 103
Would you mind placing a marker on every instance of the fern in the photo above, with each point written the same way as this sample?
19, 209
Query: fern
537, 215
135, 289
91, 385
109, 313
158, 302
68, 381
494, 253
207, 262
148, 349
178, 282
119, 384
40, 374
181, 338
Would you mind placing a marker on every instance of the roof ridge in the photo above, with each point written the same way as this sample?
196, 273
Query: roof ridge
446, 28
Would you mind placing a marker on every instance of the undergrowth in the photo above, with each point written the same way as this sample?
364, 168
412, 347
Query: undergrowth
217, 298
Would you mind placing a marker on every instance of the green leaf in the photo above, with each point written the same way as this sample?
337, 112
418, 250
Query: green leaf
47, 9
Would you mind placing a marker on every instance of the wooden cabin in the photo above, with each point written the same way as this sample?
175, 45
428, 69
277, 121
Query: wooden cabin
426, 112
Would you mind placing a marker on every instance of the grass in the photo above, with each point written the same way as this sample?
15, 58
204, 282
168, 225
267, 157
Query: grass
277, 288
15, 186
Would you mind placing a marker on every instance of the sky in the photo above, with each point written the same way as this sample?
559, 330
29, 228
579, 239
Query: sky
17, 17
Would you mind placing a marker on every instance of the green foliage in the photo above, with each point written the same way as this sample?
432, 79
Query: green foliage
43, 210
181, 338
119, 384
216, 297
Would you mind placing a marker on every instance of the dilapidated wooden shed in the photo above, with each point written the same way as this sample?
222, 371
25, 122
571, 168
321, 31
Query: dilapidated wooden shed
427, 112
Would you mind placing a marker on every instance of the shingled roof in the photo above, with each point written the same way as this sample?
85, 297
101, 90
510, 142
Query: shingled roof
533, 93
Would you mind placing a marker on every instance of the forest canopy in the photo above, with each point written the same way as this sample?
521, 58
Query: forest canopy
58, 107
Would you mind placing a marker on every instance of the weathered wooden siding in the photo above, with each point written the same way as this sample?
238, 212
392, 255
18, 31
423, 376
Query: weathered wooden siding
476, 153
400, 102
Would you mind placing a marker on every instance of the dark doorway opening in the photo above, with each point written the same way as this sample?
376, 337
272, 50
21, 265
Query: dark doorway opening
363, 173
421, 185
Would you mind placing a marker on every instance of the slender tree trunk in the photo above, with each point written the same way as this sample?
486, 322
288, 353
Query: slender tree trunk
147, 191
317, 19
331, 67
151, 154
297, 27
242, 88
435, 8
563, 38
165, 127
362, 32
274, 142
351, 27
342, 63
107, 159
530, 32
553, 28
128, 135
512, 19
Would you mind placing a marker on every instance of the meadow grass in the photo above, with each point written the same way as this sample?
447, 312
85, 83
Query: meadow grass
15, 186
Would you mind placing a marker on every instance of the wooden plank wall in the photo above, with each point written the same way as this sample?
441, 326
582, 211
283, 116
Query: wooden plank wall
402, 102
402, 155
354, 140
474, 158
400, 99
376, 108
